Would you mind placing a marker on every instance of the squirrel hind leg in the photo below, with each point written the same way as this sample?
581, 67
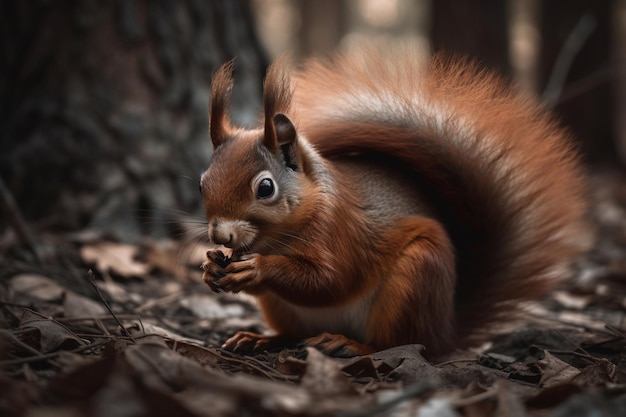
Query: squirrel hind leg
338, 345
415, 301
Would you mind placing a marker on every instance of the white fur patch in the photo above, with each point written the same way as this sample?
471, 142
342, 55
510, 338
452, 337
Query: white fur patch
349, 320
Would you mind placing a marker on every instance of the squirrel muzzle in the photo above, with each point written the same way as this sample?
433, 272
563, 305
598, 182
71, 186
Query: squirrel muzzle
233, 234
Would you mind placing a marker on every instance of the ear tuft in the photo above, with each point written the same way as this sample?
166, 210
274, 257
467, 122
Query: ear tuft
276, 99
221, 85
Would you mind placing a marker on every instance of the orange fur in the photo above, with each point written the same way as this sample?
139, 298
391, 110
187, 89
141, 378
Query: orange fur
414, 203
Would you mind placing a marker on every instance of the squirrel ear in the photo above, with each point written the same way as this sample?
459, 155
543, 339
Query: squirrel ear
276, 101
287, 140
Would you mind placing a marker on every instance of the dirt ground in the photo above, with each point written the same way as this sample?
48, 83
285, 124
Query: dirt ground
93, 327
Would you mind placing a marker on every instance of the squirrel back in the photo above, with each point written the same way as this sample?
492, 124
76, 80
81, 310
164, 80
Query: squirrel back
483, 189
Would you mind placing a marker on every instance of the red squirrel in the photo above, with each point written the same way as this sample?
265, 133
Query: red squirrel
388, 200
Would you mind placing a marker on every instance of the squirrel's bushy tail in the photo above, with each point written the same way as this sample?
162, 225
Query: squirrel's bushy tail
501, 173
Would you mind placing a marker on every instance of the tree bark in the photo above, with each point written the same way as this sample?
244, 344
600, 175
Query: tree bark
103, 106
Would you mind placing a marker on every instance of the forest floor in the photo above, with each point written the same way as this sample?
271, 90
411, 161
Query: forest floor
100, 328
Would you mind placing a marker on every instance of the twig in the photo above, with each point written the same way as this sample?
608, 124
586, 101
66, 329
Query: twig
573, 44
250, 361
106, 304
583, 355
23, 230
102, 327
244, 363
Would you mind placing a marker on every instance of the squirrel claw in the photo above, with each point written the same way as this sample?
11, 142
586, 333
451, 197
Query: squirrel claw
214, 269
216, 286
219, 258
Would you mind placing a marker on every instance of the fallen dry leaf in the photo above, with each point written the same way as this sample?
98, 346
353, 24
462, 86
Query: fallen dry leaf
37, 286
46, 335
117, 258
166, 256
76, 305
142, 328
599, 373
196, 352
554, 371
208, 307
206, 391
323, 375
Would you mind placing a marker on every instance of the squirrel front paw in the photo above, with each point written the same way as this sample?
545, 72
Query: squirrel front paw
222, 273
214, 269
242, 274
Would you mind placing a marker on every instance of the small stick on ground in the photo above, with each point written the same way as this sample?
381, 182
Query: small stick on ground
106, 304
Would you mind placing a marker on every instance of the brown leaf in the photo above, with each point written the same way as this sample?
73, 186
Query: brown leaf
166, 256
323, 375
143, 328
37, 286
363, 367
205, 391
75, 305
554, 371
408, 364
208, 307
47, 335
598, 373
197, 353
117, 258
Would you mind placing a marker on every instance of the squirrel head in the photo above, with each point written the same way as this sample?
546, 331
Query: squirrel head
256, 180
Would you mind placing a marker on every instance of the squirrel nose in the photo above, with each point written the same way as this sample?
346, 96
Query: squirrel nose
221, 235
225, 239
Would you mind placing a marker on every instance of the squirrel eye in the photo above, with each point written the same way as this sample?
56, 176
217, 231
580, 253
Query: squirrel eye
266, 189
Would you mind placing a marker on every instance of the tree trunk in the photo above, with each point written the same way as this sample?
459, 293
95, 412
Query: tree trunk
477, 29
104, 104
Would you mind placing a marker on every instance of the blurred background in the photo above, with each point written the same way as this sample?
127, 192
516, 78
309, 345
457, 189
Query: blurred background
104, 104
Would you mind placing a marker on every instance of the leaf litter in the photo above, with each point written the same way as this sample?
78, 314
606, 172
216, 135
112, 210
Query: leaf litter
140, 335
